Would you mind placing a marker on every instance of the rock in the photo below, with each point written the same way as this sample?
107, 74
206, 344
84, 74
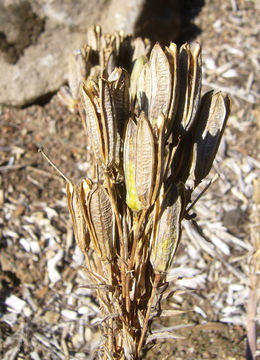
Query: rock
36, 39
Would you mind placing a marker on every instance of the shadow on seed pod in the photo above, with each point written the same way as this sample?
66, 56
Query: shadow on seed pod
207, 132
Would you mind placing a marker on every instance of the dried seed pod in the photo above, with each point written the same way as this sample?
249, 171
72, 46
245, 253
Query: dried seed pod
172, 55
120, 82
160, 127
74, 196
190, 83
141, 47
97, 209
145, 161
136, 72
78, 69
161, 84
108, 53
143, 90
167, 228
109, 126
130, 166
92, 122
208, 129
65, 96
182, 160
94, 37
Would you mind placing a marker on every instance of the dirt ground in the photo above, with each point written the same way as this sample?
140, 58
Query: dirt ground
40, 268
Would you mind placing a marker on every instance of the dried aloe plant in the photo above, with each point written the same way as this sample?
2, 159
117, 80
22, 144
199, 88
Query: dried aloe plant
153, 141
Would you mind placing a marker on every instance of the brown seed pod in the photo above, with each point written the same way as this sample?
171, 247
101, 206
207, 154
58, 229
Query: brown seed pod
108, 121
145, 161
161, 84
172, 55
208, 129
190, 83
92, 122
143, 90
78, 68
120, 82
167, 228
74, 197
98, 213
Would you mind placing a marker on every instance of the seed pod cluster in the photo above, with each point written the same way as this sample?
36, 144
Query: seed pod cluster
153, 140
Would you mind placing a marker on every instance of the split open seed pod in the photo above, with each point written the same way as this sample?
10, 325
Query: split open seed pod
98, 214
189, 72
207, 132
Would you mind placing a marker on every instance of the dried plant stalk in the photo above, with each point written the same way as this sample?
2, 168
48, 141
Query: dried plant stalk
150, 135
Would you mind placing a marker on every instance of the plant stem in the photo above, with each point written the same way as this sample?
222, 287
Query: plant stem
146, 321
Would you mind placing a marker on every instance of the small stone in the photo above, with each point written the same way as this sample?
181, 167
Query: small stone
51, 317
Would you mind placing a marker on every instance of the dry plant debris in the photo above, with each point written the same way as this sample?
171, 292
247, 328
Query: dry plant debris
212, 268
